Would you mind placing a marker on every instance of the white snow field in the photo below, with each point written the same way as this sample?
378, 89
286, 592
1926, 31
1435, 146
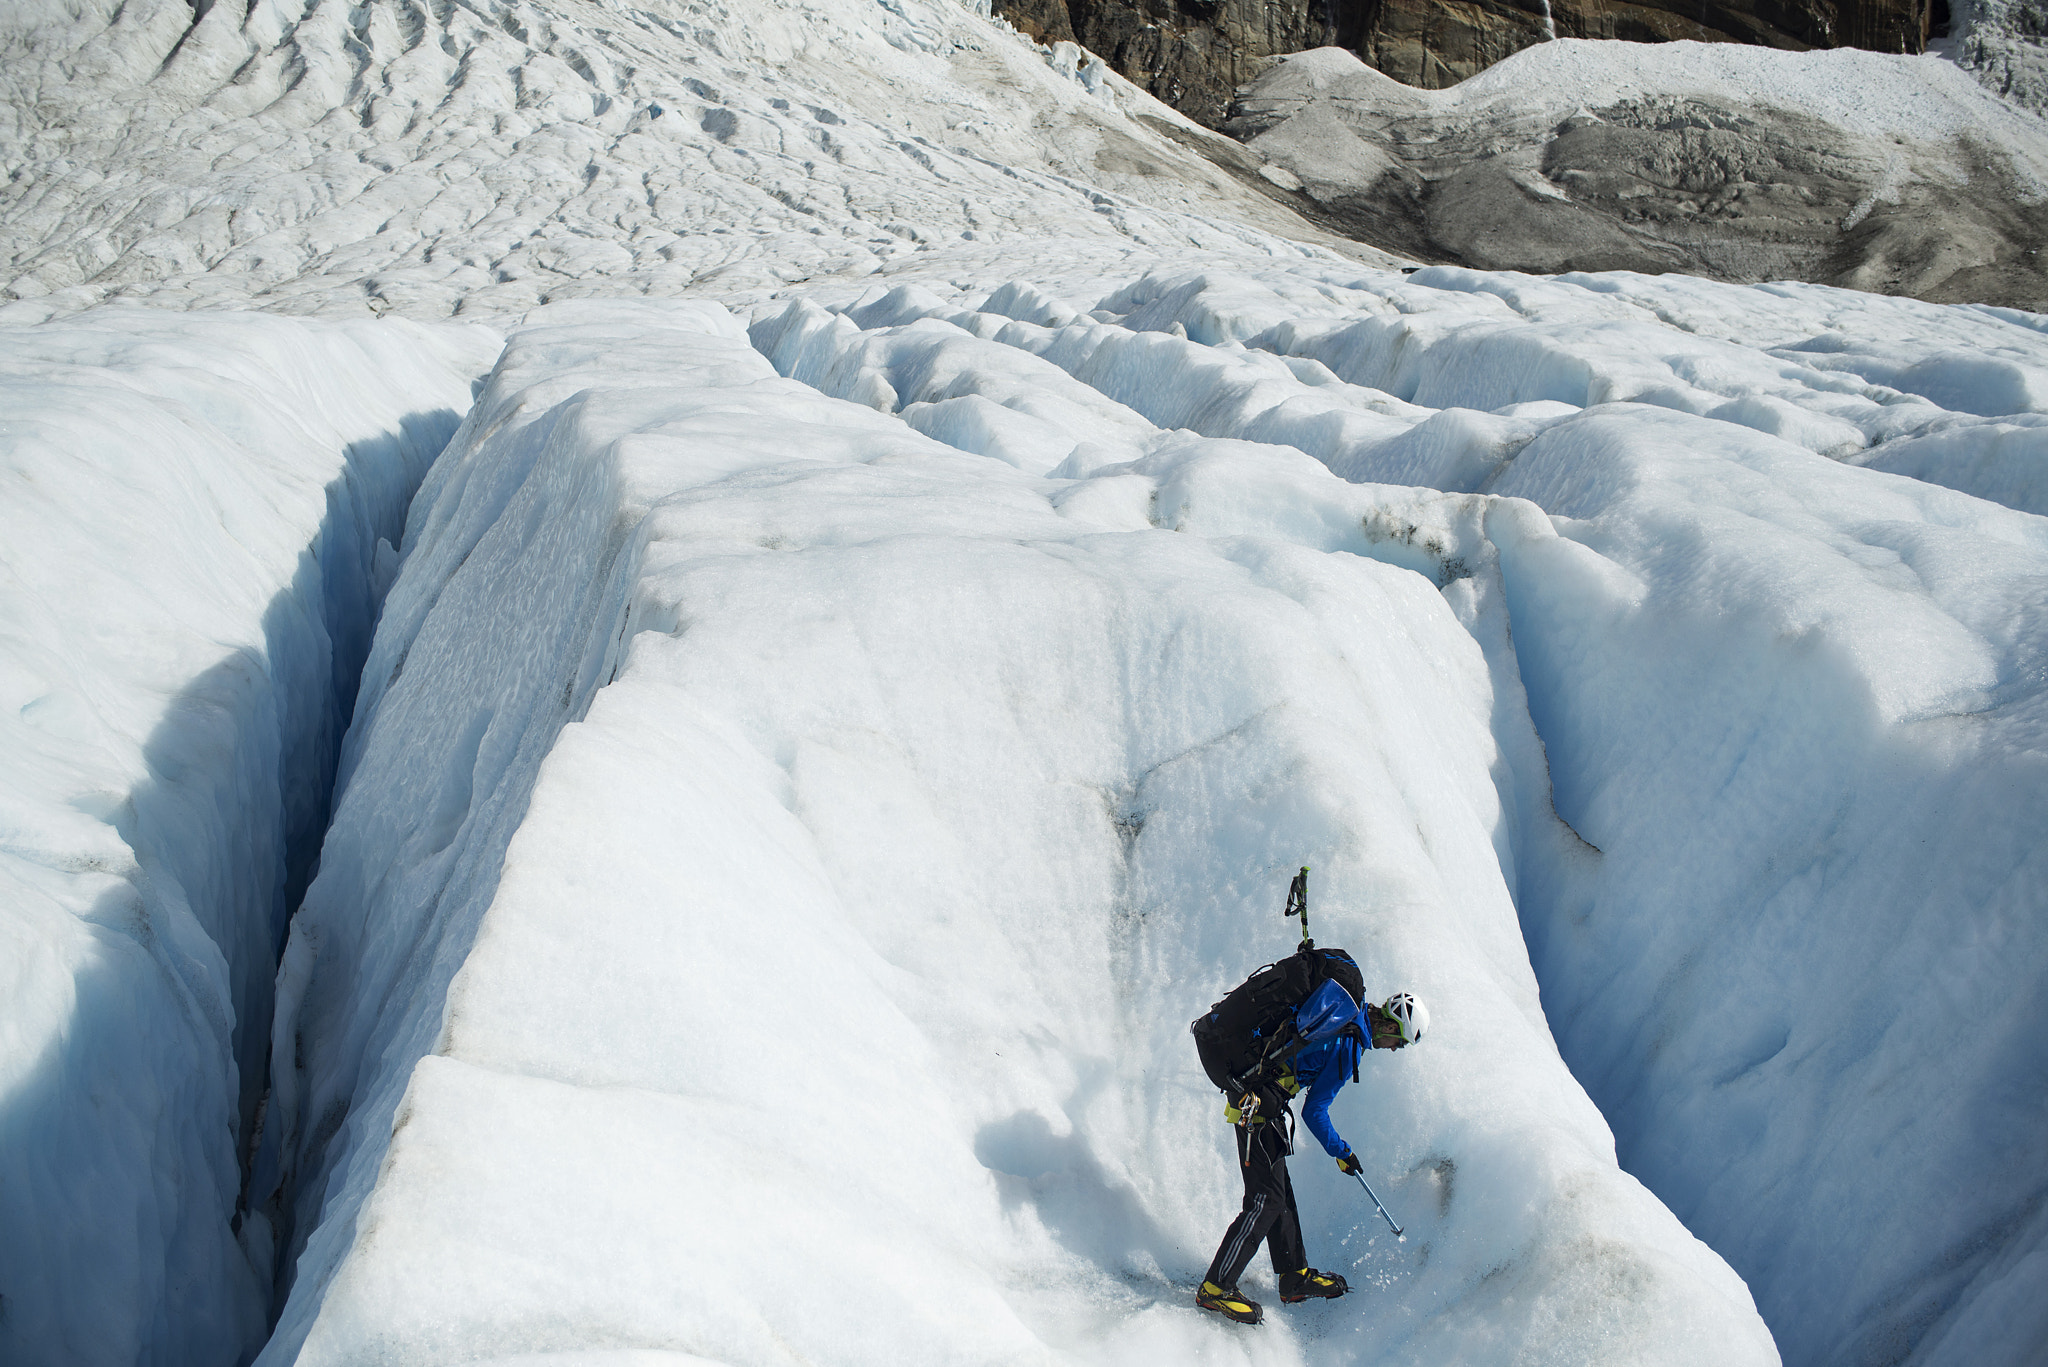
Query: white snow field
194, 524
483, 157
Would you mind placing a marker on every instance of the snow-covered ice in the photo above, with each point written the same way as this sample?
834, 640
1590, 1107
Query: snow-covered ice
810, 768
1017, 751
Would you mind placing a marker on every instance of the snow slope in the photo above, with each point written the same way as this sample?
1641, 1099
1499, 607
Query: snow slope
780, 853
192, 522
481, 157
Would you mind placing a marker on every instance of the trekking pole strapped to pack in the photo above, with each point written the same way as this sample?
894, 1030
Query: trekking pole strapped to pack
1297, 904
1247, 1039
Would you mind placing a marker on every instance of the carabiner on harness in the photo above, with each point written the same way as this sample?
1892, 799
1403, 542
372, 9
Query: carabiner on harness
1244, 1111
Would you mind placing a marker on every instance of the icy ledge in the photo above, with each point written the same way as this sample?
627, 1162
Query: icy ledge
780, 852
192, 518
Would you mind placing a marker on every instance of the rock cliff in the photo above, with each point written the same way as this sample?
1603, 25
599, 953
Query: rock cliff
1193, 53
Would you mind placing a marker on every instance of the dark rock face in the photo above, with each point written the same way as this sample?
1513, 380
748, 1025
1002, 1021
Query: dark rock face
1192, 54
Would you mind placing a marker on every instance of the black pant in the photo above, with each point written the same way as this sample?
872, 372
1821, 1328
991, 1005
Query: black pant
1268, 1213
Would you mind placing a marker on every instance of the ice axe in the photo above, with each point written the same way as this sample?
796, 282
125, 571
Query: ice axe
1297, 905
1382, 1209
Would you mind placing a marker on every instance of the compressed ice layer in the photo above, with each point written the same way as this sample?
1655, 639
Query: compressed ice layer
190, 538
815, 988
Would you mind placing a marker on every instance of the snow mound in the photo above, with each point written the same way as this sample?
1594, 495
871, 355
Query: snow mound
193, 522
779, 853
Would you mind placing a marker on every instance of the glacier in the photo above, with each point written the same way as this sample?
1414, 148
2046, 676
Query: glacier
687, 828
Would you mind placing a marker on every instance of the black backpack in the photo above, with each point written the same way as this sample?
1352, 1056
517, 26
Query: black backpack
1240, 1037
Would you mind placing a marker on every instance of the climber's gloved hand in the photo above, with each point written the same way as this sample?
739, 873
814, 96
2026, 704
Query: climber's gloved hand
1347, 1163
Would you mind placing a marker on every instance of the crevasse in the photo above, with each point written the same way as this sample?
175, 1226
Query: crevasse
197, 536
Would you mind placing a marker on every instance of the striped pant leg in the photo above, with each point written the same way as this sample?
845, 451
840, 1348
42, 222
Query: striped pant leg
1268, 1198
1283, 1240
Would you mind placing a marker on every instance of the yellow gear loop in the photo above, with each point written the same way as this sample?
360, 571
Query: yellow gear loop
1245, 1110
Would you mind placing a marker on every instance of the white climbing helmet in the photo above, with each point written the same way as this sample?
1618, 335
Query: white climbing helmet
1409, 1013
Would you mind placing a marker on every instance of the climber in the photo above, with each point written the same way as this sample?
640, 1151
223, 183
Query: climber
1294, 1025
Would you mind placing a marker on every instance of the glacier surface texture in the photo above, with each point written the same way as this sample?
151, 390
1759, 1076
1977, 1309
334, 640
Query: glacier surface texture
657, 779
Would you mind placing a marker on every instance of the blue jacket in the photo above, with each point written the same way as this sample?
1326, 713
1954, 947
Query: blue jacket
1330, 1059
1325, 1068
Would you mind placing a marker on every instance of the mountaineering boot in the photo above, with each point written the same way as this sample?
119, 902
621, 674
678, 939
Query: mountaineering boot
1229, 1304
1308, 1284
